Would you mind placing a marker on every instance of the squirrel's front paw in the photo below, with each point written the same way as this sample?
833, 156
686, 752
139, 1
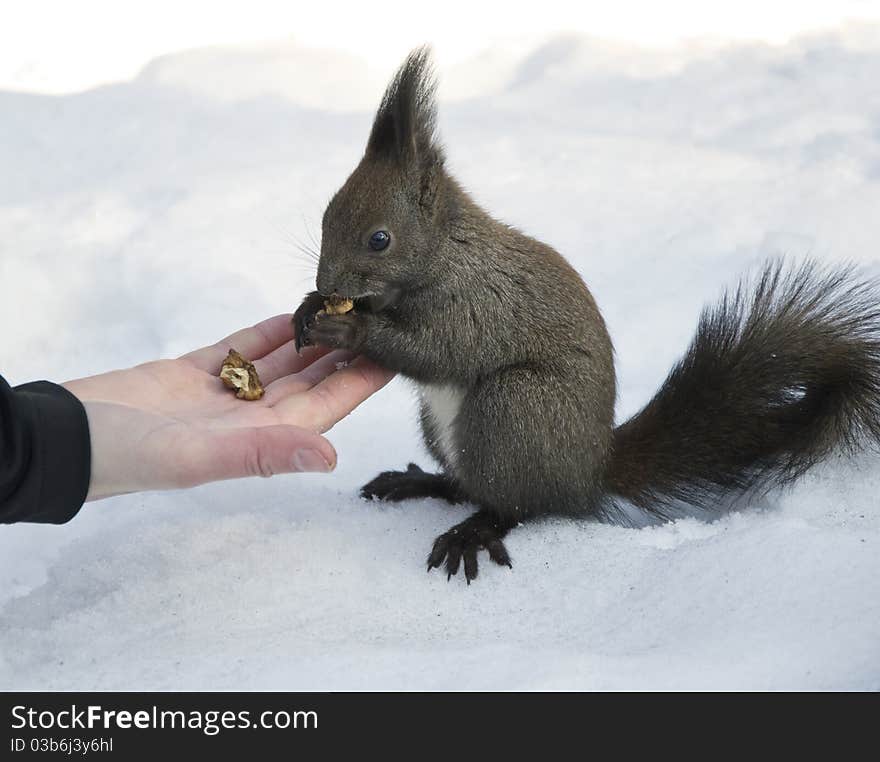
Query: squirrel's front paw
335, 331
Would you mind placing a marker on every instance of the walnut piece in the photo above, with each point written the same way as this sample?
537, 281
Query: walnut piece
336, 305
241, 375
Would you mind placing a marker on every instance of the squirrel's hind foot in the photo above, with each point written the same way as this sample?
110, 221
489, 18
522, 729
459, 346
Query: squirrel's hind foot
482, 531
394, 486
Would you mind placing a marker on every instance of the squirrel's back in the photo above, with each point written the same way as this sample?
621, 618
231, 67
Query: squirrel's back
531, 426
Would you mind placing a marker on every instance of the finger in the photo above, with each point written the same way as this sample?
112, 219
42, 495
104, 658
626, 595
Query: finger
231, 453
330, 362
285, 361
335, 397
251, 343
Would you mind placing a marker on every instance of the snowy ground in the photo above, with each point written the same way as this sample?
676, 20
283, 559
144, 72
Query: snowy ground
131, 218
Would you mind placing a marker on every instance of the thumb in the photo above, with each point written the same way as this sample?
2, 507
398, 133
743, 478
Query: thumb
255, 451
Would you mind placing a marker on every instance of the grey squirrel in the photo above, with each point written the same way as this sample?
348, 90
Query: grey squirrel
514, 364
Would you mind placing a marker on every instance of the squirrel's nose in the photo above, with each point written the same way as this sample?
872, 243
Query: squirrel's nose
325, 282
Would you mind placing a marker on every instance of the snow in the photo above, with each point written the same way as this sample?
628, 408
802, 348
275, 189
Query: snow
133, 216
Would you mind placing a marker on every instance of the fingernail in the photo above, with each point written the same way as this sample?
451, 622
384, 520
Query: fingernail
310, 460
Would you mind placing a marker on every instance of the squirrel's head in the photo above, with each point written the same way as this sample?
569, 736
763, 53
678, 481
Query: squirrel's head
379, 227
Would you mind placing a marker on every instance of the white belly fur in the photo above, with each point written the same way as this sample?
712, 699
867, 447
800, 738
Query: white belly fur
443, 401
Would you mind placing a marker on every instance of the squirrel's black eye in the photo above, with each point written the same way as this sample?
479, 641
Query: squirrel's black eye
379, 240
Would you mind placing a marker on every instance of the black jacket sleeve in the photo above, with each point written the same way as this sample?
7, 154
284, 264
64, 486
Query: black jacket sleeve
45, 453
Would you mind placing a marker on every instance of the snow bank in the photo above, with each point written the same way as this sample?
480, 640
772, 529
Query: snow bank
128, 219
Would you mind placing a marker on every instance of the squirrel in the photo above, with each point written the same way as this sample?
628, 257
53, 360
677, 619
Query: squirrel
514, 365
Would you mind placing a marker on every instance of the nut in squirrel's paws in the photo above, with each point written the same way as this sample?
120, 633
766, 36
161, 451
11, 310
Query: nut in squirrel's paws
241, 375
336, 305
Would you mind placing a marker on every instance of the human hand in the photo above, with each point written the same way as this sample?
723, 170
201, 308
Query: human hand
172, 423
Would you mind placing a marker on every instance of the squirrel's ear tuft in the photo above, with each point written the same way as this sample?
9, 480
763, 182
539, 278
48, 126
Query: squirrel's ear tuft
405, 125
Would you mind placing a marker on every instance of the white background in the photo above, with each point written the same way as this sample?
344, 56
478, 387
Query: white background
55, 46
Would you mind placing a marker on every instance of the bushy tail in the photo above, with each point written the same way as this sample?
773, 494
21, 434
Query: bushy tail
785, 370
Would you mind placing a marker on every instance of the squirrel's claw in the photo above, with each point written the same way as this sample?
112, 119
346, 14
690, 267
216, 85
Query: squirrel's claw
304, 320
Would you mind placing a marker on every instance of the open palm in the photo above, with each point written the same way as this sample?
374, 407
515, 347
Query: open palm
172, 423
